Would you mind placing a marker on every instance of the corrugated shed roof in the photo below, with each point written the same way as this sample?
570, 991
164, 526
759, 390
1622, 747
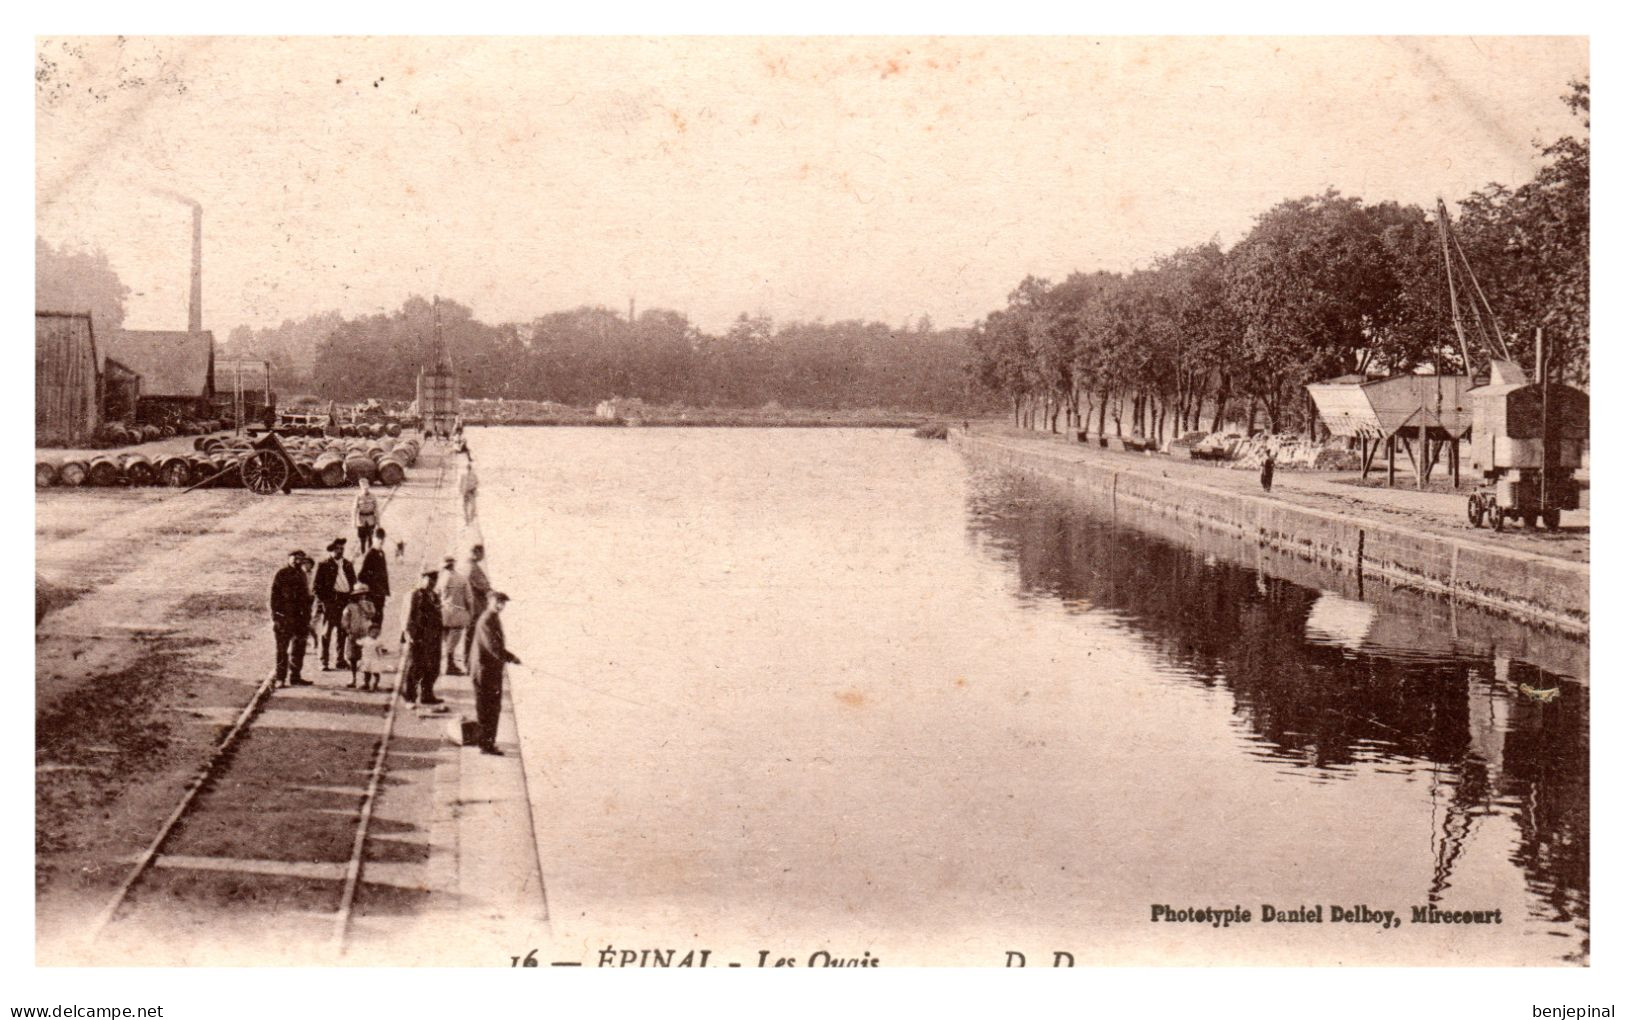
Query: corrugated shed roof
172, 363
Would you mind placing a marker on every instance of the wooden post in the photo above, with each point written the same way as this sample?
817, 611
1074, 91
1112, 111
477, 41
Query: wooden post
1410, 454
1422, 467
1390, 460
1455, 463
1365, 459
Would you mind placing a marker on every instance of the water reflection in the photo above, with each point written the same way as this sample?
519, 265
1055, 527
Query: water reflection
1330, 688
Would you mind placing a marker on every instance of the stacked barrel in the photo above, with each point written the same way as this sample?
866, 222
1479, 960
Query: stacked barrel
117, 433
318, 462
334, 461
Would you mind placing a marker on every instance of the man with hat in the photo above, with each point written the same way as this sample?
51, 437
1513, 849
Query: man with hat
456, 613
479, 591
290, 618
374, 572
487, 664
335, 576
420, 639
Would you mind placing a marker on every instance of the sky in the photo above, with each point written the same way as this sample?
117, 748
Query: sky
801, 178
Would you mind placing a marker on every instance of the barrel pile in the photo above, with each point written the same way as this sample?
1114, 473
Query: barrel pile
118, 433
317, 463
376, 430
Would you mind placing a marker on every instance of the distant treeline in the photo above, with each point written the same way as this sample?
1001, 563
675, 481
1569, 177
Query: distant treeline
1322, 286
589, 354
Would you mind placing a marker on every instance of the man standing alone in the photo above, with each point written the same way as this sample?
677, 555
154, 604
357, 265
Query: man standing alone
490, 660
469, 486
290, 619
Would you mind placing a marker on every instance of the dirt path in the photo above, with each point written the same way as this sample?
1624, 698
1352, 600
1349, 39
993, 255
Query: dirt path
165, 641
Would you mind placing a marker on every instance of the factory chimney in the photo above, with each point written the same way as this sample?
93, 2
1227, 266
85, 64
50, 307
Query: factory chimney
194, 318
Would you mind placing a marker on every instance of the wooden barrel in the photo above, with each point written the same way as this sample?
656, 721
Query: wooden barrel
391, 472
175, 471
233, 478
394, 428
304, 469
44, 474
202, 468
72, 472
138, 469
358, 466
105, 470
329, 469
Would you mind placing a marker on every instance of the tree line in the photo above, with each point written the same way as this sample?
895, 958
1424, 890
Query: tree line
577, 357
587, 354
1322, 286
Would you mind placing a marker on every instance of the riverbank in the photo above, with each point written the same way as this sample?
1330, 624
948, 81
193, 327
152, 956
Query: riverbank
1413, 540
157, 638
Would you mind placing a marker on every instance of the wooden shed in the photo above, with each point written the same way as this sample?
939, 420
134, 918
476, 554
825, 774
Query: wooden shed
121, 391
249, 382
176, 369
67, 379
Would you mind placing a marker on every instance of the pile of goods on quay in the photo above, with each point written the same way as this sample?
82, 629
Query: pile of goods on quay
315, 462
359, 430
116, 433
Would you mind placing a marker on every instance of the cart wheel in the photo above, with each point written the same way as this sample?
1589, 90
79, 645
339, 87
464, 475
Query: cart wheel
1475, 510
1497, 517
1552, 518
264, 471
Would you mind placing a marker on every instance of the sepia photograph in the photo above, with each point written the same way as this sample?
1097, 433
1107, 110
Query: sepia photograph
817, 502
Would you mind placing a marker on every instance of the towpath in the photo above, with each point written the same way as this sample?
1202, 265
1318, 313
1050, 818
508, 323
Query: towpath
1336, 491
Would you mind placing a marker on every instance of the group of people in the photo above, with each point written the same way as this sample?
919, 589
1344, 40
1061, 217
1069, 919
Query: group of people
339, 604
448, 610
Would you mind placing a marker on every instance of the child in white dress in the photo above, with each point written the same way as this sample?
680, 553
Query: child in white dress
371, 659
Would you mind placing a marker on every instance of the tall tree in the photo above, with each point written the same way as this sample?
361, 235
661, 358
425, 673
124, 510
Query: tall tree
69, 280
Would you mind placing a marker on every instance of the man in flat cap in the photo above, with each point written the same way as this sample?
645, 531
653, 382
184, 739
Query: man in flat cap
487, 664
456, 613
420, 638
290, 619
335, 576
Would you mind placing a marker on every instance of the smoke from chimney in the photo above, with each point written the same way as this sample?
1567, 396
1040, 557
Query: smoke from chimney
194, 316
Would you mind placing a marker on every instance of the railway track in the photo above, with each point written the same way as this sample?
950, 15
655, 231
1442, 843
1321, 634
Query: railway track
216, 830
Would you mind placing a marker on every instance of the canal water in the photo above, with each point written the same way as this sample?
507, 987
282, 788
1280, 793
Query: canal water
802, 690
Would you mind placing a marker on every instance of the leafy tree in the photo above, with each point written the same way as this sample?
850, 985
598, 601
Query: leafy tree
1531, 248
66, 280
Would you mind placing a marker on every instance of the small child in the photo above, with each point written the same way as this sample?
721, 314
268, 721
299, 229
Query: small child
360, 620
371, 659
